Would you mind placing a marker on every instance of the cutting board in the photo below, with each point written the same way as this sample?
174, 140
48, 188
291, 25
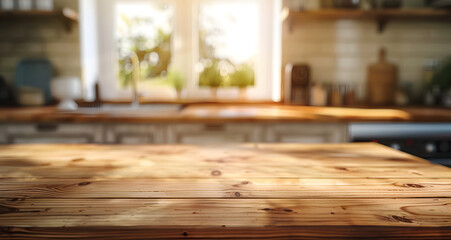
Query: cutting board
382, 81
35, 73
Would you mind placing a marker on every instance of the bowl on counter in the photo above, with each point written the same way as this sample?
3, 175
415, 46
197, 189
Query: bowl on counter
66, 90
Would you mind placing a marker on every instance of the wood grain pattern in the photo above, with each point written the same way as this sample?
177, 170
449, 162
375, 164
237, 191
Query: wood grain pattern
225, 188
276, 191
230, 212
224, 232
117, 162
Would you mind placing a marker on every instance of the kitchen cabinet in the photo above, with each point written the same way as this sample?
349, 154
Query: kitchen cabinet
51, 133
134, 134
193, 133
306, 133
213, 133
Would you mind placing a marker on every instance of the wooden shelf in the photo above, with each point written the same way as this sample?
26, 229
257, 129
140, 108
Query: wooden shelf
66, 15
380, 16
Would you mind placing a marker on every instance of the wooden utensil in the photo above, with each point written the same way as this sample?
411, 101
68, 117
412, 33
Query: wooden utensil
382, 81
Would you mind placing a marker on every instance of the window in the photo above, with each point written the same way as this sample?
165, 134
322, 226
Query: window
228, 44
223, 49
143, 30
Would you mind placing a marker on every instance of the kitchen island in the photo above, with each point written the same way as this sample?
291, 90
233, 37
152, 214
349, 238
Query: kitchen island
270, 191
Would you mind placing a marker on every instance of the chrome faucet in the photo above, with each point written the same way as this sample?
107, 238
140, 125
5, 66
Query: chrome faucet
135, 79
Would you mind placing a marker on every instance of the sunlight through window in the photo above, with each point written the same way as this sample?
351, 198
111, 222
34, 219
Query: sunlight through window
228, 43
144, 29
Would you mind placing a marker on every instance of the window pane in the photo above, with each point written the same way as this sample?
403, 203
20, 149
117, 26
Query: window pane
228, 43
144, 30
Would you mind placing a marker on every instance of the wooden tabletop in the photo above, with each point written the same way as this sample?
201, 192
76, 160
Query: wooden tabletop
201, 113
285, 191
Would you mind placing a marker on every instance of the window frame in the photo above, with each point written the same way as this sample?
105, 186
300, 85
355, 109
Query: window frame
185, 54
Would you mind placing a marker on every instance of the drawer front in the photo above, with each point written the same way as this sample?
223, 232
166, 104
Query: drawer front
306, 133
52, 133
212, 133
134, 134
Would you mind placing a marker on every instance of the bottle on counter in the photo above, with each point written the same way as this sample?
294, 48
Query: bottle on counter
429, 96
337, 95
350, 95
429, 70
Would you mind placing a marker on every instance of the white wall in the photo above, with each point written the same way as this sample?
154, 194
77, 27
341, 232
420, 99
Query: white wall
340, 51
42, 38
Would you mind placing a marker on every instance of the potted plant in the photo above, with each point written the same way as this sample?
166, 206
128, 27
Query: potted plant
177, 80
242, 78
211, 77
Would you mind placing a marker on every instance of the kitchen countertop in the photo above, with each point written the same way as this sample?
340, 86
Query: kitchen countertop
285, 191
229, 113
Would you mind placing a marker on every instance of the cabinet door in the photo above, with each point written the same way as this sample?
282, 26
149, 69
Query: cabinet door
307, 133
52, 133
134, 134
212, 133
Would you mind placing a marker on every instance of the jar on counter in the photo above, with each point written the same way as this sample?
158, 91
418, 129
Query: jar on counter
318, 95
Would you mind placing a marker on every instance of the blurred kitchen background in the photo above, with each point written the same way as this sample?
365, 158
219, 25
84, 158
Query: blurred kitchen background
202, 71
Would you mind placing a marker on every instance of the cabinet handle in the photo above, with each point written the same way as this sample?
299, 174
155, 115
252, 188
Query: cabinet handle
45, 127
214, 127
